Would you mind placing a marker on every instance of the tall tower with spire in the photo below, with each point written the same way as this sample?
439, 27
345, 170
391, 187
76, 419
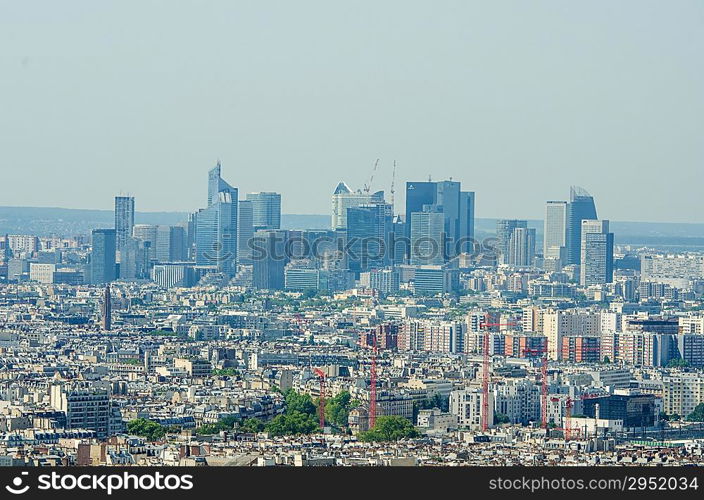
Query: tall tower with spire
107, 309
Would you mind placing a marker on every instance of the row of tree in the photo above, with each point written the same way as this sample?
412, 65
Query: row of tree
300, 417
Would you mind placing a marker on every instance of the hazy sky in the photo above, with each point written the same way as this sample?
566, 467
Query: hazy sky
518, 100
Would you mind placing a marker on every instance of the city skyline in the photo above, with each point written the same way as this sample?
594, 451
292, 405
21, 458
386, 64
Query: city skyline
611, 113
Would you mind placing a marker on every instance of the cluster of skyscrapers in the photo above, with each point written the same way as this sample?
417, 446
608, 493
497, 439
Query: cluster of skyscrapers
242, 240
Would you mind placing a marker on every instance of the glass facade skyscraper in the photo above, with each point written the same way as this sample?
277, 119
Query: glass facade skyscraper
581, 207
368, 230
555, 230
597, 253
124, 220
343, 198
427, 237
266, 210
504, 231
456, 206
102, 256
216, 226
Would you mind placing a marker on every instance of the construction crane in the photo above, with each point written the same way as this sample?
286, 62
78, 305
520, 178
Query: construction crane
368, 185
544, 384
372, 388
569, 404
568, 418
321, 399
486, 362
393, 189
373, 377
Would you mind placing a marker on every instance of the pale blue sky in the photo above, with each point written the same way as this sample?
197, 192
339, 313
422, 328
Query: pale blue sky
516, 99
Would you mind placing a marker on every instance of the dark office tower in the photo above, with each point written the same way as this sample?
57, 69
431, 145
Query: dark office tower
418, 194
448, 202
170, 243
216, 226
466, 244
266, 210
581, 207
245, 230
457, 207
269, 259
102, 256
504, 230
368, 230
124, 220
521, 247
107, 309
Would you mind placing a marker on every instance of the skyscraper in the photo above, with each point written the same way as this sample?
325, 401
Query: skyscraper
343, 198
504, 230
581, 207
102, 256
555, 230
107, 309
521, 248
368, 230
266, 210
597, 253
245, 229
457, 207
148, 235
466, 222
216, 226
269, 259
170, 243
124, 220
427, 236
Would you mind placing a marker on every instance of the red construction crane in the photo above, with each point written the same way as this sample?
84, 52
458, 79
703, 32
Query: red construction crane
321, 399
372, 388
568, 418
372, 377
486, 368
544, 384
569, 404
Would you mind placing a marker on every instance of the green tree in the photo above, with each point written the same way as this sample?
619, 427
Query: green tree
500, 418
301, 403
225, 372
337, 409
292, 423
698, 414
677, 363
252, 425
146, 428
390, 428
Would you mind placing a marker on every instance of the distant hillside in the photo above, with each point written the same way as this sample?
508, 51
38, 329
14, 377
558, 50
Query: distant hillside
42, 221
69, 222
673, 236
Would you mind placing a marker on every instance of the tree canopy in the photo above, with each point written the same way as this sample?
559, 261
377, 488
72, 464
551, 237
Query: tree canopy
146, 428
698, 414
390, 428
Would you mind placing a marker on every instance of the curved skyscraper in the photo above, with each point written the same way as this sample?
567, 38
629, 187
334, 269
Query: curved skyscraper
216, 226
581, 207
